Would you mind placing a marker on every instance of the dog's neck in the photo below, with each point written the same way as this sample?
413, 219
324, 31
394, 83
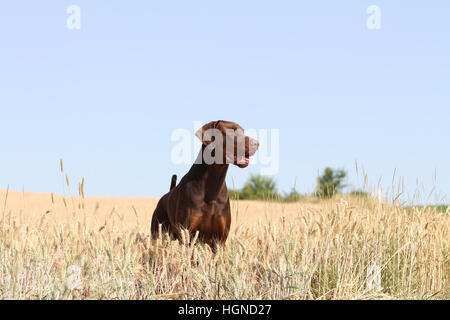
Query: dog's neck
212, 176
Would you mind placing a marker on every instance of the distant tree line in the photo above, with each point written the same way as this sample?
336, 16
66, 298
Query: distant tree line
257, 187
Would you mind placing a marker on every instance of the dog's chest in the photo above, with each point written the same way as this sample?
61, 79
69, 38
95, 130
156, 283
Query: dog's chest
212, 207
211, 217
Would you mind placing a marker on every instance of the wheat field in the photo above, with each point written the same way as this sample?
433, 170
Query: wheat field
72, 247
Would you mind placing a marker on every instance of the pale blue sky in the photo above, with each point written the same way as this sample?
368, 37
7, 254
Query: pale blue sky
106, 98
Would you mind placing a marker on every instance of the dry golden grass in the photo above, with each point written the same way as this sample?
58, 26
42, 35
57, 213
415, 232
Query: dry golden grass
99, 248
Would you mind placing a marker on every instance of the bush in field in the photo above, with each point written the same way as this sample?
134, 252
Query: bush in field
330, 182
234, 194
292, 196
257, 187
359, 193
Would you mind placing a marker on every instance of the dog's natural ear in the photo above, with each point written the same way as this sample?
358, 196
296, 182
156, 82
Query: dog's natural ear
206, 133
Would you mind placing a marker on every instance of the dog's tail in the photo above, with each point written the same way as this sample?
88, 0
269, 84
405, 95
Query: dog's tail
173, 183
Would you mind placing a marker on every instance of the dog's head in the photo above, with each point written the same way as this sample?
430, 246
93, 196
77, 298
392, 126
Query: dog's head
227, 143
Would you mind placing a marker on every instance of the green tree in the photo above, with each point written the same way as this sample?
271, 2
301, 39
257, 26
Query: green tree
259, 187
330, 182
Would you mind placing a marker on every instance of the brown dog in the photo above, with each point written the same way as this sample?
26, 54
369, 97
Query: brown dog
200, 202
